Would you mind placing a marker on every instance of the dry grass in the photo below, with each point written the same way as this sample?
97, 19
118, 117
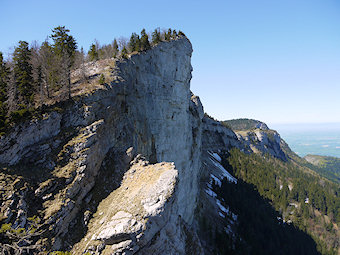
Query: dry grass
52, 206
83, 84
135, 187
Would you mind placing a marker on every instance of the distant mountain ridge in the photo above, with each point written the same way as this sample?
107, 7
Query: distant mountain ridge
245, 124
327, 166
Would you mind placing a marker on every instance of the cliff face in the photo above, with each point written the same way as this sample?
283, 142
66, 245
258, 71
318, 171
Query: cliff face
124, 168
147, 108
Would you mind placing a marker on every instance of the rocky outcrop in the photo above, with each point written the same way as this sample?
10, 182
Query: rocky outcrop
148, 106
77, 171
29, 137
264, 141
131, 215
217, 136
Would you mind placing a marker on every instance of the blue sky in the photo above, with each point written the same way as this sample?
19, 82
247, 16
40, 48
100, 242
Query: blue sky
276, 61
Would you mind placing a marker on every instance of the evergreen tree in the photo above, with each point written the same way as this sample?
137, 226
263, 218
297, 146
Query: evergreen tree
180, 33
124, 53
64, 47
49, 68
4, 78
115, 48
93, 53
167, 35
144, 41
64, 44
156, 36
23, 73
134, 43
174, 34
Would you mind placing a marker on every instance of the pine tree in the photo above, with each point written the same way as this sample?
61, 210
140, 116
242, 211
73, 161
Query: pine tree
134, 43
115, 48
174, 34
144, 41
180, 33
93, 53
49, 68
124, 53
156, 37
23, 73
167, 35
4, 78
64, 47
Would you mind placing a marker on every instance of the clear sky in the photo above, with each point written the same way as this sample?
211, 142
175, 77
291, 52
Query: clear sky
277, 60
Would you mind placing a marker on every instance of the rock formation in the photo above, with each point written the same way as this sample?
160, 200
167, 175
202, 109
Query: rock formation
124, 168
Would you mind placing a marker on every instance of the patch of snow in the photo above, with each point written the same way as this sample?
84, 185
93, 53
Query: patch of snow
234, 216
218, 182
222, 208
306, 200
221, 214
215, 156
281, 187
210, 193
225, 173
228, 229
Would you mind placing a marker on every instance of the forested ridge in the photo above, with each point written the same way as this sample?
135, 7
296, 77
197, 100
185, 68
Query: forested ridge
326, 166
37, 75
300, 199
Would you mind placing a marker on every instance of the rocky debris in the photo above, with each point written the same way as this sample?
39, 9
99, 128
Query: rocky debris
92, 69
132, 214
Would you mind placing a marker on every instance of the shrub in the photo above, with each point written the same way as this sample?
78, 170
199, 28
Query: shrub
19, 115
102, 79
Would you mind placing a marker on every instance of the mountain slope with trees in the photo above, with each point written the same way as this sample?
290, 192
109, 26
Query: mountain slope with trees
328, 167
292, 202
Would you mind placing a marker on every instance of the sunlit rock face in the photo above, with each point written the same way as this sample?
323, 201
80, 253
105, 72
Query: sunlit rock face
84, 154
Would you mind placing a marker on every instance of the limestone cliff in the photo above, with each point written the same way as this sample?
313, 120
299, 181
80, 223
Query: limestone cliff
125, 167
147, 107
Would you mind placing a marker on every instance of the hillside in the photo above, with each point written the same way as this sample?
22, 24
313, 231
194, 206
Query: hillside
326, 166
132, 165
277, 186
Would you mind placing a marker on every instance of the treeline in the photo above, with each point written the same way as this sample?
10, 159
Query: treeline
136, 43
38, 73
300, 197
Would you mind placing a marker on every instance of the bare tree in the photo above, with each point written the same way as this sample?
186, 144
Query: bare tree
122, 43
47, 59
12, 90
